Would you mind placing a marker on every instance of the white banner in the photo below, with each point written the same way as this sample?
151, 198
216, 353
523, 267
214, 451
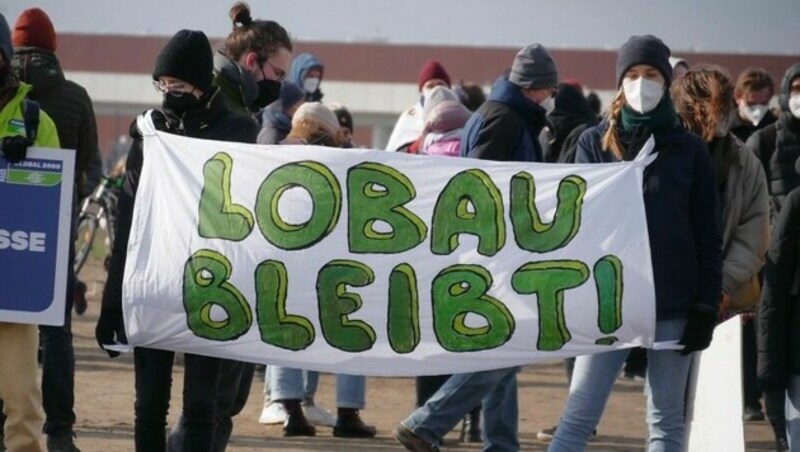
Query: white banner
379, 263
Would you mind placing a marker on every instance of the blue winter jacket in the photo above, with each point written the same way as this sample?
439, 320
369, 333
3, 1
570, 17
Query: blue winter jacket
683, 219
506, 127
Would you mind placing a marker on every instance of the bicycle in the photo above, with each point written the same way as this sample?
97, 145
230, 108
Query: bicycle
98, 211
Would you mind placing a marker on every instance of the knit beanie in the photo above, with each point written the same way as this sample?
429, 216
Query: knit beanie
290, 95
187, 56
533, 67
432, 69
5, 41
648, 50
34, 29
316, 115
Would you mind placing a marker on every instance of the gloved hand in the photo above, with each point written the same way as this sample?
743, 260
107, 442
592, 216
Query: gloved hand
110, 330
15, 148
699, 330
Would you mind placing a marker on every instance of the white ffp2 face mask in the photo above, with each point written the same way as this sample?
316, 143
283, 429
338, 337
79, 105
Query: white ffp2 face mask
548, 104
642, 94
794, 105
753, 113
311, 84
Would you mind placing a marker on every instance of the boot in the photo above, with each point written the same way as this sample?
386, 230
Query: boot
296, 423
471, 427
350, 425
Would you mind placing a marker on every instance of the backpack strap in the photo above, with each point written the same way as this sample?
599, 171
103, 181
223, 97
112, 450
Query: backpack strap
30, 112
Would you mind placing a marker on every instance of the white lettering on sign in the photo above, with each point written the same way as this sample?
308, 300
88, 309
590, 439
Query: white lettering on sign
22, 240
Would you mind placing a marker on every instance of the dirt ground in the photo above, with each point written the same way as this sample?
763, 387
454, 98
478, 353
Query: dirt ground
104, 398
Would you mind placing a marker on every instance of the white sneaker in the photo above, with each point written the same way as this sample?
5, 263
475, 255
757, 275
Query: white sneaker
272, 413
318, 416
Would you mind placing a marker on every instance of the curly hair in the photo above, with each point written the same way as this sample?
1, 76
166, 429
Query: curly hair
703, 97
264, 37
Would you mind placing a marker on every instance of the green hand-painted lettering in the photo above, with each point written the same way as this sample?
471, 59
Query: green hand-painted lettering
460, 290
452, 216
205, 285
326, 196
608, 280
366, 206
530, 232
292, 332
218, 217
548, 280
336, 304
403, 323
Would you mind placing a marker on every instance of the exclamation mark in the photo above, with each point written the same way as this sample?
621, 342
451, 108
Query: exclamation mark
608, 279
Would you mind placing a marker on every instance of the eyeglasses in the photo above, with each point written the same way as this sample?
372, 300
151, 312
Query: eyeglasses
280, 74
173, 89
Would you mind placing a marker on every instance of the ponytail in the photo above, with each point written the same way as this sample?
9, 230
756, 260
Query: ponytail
610, 139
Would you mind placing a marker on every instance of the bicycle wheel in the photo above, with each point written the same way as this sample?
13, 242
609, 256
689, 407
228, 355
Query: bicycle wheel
87, 228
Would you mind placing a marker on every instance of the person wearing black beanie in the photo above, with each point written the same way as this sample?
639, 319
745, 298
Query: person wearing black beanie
683, 225
194, 108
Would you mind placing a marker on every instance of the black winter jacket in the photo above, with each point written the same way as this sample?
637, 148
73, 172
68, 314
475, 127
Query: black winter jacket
65, 101
779, 311
212, 122
683, 219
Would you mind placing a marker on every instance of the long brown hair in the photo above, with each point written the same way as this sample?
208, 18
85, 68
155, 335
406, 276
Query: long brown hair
610, 139
702, 98
264, 37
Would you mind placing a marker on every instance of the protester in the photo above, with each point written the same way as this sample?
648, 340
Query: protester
307, 71
18, 367
345, 123
193, 107
316, 124
444, 118
679, 67
595, 103
779, 354
470, 94
704, 101
679, 190
254, 61
570, 117
777, 146
35, 63
753, 91
505, 128
276, 119
409, 126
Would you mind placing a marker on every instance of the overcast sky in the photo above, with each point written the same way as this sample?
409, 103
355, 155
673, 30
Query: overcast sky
726, 26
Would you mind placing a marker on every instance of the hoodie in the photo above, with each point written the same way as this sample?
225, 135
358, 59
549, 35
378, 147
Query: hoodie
300, 67
572, 111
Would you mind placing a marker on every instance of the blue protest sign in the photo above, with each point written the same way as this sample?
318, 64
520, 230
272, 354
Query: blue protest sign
35, 215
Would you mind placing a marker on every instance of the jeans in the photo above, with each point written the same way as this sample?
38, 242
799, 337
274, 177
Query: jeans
287, 383
58, 368
495, 389
153, 370
233, 389
793, 412
592, 381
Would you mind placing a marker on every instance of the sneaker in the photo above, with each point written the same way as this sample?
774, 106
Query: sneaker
298, 425
753, 414
61, 443
317, 415
547, 434
411, 441
351, 426
272, 413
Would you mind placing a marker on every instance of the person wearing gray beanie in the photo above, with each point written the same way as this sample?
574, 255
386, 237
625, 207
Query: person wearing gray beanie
533, 68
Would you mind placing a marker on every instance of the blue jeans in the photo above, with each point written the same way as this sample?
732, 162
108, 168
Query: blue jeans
793, 412
594, 376
287, 383
495, 389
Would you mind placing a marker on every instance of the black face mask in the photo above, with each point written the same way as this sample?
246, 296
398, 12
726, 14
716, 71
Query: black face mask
182, 104
268, 92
